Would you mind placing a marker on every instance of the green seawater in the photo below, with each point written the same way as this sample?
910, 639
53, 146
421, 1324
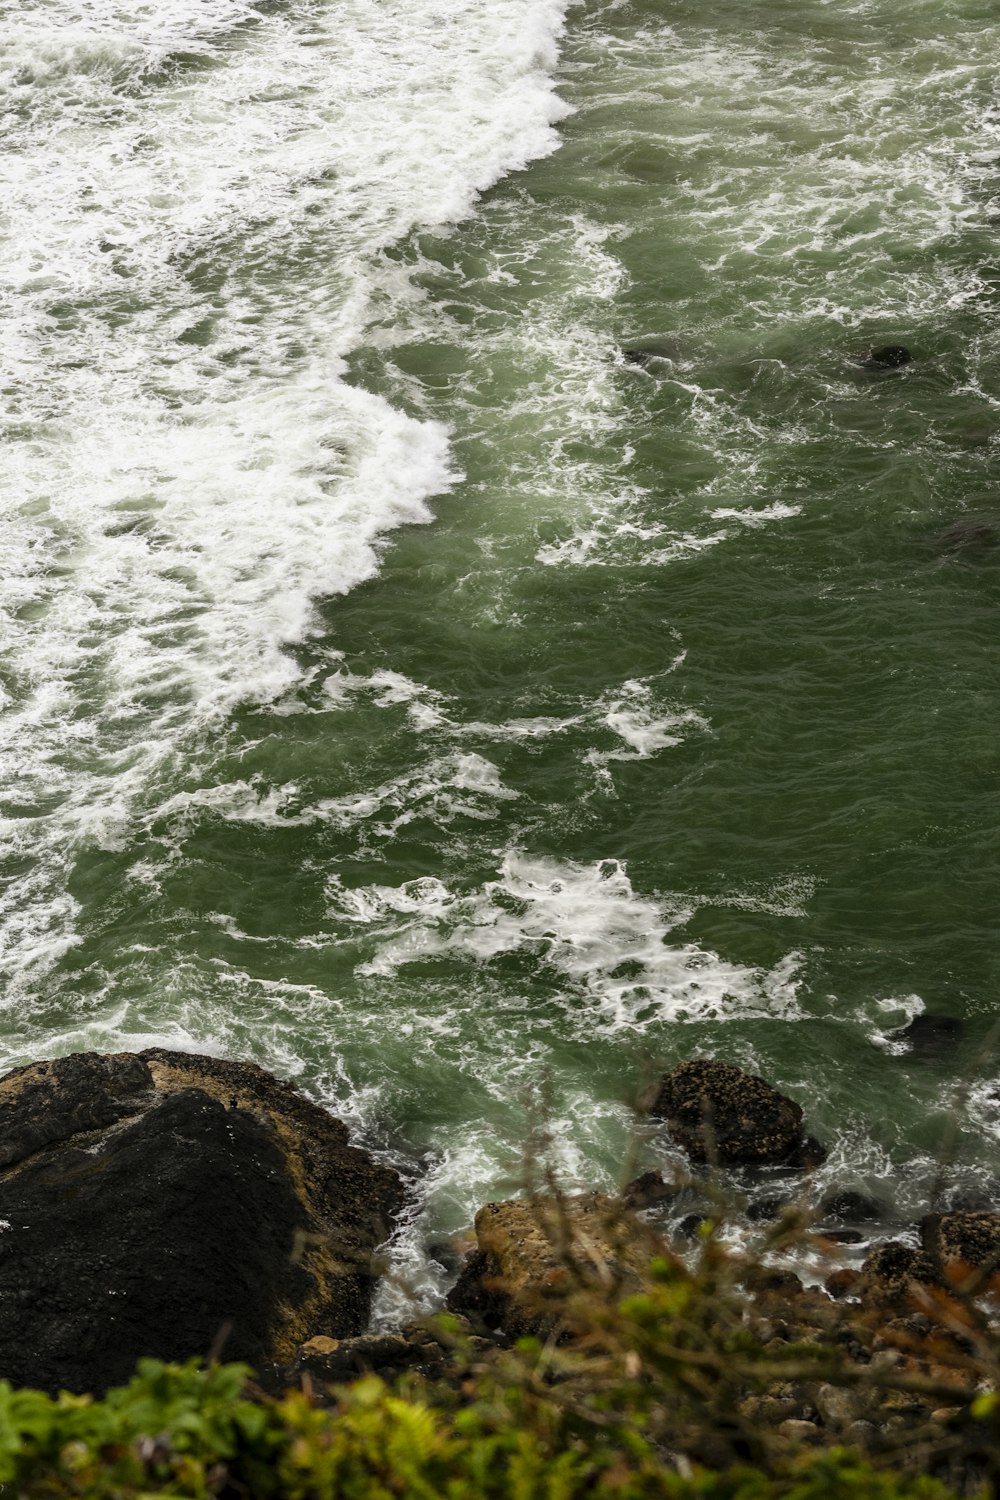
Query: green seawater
675, 732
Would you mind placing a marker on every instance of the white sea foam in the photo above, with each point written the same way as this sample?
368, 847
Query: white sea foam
635, 713
897, 1011
635, 717
466, 1172
441, 789
584, 923
829, 189
193, 195
751, 516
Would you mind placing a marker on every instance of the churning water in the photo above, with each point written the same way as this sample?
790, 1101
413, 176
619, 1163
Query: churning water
403, 688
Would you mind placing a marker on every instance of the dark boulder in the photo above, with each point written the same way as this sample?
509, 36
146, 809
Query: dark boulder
894, 1275
963, 1244
842, 1236
849, 1207
929, 1034
841, 1283
693, 1224
164, 1204
716, 1111
651, 351
806, 1156
768, 1208
647, 1190
884, 358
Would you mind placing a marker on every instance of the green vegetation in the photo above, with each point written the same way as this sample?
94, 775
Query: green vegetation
647, 1399
183, 1431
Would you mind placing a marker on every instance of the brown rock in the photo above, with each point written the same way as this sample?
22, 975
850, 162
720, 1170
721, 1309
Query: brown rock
892, 1276
647, 1189
842, 1283
838, 1406
385, 1354
767, 1409
715, 1111
798, 1431
759, 1279
536, 1254
963, 1244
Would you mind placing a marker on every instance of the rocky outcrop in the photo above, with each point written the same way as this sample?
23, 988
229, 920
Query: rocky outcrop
415, 1350
166, 1204
954, 1249
534, 1255
895, 1277
963, 1244
717, 1112
385, 1354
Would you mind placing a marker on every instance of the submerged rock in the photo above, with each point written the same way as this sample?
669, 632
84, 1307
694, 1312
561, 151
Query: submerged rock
648, 1189
771, 1206
166, 1204
651, 351
885, 357
534, 1254
847, 1206
716, 1111
929, 1034
968, 537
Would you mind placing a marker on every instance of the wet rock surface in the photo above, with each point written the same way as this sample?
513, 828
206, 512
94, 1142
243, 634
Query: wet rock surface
533, 1252
846, 1206
647, 1190
893, 1275
929, 1035
337, 1361
883, 358
166, 1204
963, 1243
716, 1111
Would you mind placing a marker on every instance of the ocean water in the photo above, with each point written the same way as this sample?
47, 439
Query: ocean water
405, 690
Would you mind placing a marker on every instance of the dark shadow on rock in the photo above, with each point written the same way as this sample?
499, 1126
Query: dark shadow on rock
156, 1203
